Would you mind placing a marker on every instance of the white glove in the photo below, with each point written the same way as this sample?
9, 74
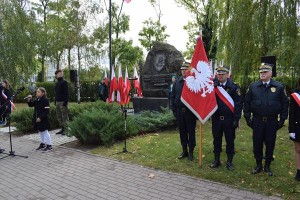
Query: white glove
293, 135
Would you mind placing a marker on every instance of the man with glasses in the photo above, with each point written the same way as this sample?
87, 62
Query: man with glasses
186, 119
226, 118
265, 110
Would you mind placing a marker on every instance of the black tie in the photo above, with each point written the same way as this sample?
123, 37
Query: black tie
265, 85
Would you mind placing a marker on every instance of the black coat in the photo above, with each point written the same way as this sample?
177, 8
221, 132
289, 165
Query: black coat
41, 110
294, 118
61, 90
5, 105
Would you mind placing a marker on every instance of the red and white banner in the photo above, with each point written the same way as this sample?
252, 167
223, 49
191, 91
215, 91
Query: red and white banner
225, 97
127, 88
296, 96
136, 83
113, 86
120, 95
198, 90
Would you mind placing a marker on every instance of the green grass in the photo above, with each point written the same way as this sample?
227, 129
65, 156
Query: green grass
160, 151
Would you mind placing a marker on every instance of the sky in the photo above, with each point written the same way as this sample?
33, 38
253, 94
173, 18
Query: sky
174, 18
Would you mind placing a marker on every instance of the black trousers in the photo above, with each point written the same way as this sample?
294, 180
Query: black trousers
264, 132
187, 125
222, 125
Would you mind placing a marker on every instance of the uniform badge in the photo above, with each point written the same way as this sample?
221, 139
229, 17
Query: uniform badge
273, 89
238, 91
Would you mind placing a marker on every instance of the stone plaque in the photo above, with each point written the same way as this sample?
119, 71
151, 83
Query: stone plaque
162, 62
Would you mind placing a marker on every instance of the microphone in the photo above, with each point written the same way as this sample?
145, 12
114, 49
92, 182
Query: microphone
27, 97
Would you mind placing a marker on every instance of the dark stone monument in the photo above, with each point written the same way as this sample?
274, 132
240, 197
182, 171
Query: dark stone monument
162, 61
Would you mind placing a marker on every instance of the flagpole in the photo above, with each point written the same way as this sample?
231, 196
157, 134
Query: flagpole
200, 144
110, 48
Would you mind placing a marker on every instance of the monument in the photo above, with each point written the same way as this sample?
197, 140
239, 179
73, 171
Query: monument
162, 62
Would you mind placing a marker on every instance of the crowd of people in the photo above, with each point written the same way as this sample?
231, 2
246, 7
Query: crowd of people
265, 108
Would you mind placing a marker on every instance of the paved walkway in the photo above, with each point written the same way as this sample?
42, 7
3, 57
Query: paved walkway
68, 174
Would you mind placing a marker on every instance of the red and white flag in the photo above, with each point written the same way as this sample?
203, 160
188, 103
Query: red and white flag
127, 88
113, 86
198, 90
296, 96
136, 83
120, 95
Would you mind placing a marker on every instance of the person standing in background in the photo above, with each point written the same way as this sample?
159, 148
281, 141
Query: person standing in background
294, 126
5, 97
170, 88
103, 90
61, 101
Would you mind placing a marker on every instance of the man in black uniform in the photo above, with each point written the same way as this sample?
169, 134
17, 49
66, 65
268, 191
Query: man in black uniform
186, 119
266, 99
226, 118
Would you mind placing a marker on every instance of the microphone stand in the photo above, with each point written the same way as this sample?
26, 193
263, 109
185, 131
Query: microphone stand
8, 119
124, 113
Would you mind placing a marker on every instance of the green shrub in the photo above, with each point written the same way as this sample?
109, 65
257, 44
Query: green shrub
101, 123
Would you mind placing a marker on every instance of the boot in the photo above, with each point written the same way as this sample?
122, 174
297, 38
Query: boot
216, 163
229, 164
267, 168
258, 167
191, 155
184, 152
42, 145
61, 131
297, 177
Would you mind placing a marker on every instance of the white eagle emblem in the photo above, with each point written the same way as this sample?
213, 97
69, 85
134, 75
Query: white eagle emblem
202, 79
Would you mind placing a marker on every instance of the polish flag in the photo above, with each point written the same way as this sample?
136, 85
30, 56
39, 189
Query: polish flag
198, 90
136, 83
120, 92
127, 88
113, 86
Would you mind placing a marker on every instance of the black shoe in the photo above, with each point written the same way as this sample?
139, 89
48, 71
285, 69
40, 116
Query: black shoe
215, 164
60, 132
2, 150
229, 166
63, 133
47, 148
42, 146
184, 154
191, 157
268, 170
257, 169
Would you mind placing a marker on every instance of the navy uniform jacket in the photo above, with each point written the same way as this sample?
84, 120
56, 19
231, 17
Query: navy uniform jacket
234, 91
40, 112
176, 94
268, 102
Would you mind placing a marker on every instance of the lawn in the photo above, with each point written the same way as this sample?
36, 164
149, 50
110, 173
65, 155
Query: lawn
160, 151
